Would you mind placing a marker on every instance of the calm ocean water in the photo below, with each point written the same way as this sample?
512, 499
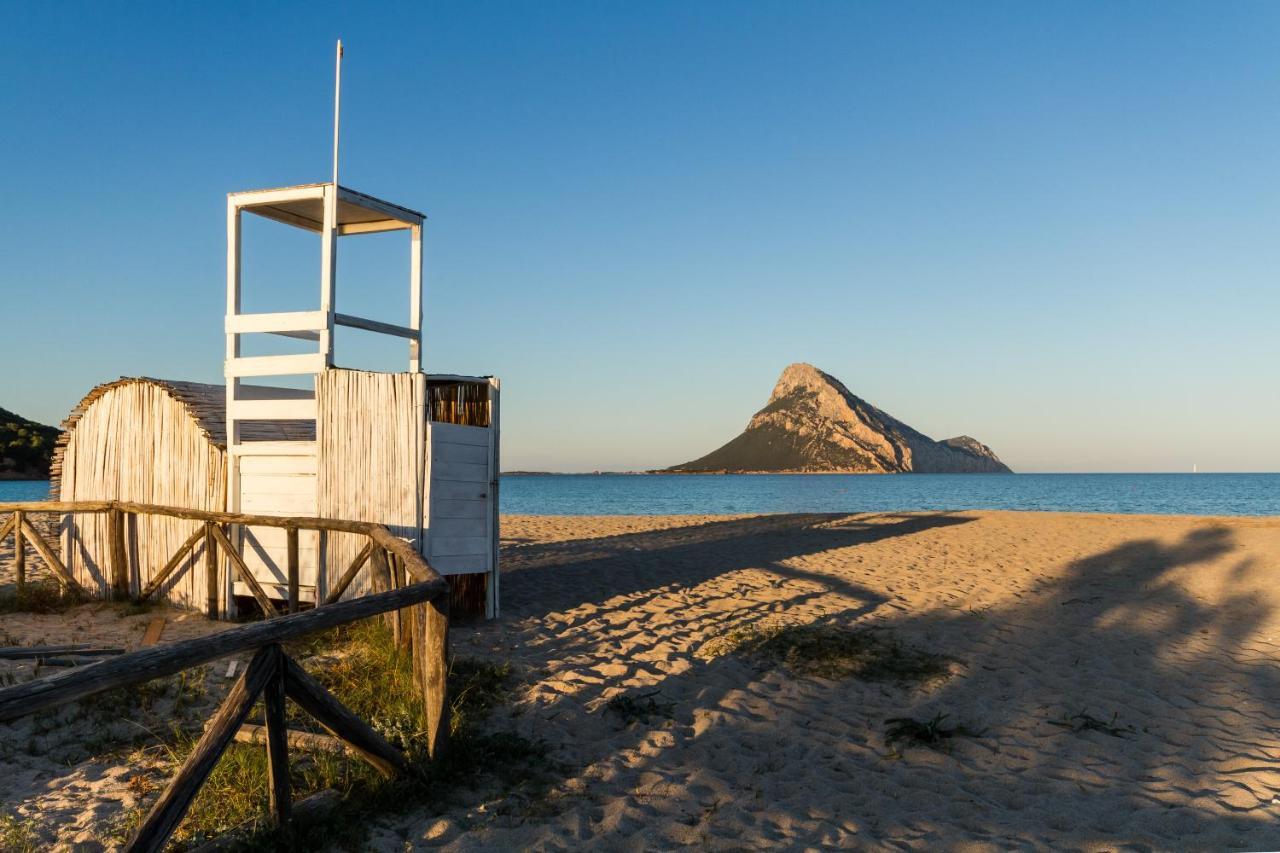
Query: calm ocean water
606, 494
1169, 494
24, 490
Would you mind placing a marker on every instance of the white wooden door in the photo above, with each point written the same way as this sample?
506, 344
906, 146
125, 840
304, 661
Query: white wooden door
461, 495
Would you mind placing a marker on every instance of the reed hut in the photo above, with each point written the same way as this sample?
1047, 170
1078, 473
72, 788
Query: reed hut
127, 440
413, 451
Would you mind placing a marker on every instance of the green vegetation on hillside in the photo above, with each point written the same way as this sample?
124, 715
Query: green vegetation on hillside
26, 447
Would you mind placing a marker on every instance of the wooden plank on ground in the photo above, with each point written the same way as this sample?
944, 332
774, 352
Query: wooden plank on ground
154, 629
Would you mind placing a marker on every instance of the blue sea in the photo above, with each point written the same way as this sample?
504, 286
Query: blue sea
658, 494
24, 490
672, 494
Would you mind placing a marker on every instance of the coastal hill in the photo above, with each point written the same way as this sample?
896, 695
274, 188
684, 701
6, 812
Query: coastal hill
812, 423
26, 447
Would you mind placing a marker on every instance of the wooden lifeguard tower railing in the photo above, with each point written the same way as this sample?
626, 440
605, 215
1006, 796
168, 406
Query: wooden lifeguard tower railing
437, 480
280, 477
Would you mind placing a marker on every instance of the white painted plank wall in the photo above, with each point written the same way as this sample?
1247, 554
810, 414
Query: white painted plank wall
460, 516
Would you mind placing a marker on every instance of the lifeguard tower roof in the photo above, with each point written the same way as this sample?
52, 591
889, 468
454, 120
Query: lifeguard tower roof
303, 206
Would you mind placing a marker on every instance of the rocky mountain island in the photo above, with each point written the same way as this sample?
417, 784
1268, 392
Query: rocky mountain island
812, 423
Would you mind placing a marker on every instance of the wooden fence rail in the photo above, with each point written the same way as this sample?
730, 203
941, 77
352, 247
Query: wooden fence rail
23, 534
214, 534
408, 592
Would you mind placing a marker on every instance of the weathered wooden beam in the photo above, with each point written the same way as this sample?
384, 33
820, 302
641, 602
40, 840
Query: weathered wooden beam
251, 520
309, 741
259, 594
176, 560
50, 558
210, 572
14, 651
9, 524
414, 563
341, 722
291, 542
402, 632
59, 507
117, 558
277, 742
350, 574
32, 697
19, 550
432, 658
154, 629
165, 815
380, 581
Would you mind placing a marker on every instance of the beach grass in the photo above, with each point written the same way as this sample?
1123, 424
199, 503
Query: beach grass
831, 651
640, 707
362, 666
1086, 722
42, 596
17, 836
929, 733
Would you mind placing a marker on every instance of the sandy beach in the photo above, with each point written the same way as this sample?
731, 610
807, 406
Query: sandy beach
1170, 624
1164, 628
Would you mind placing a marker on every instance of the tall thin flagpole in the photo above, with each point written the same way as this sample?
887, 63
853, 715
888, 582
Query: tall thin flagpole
337, 108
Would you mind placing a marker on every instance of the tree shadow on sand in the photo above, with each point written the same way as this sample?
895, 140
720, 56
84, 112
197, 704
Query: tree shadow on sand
769, 758
590, 571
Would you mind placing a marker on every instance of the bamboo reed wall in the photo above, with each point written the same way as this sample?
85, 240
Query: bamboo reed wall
148, 441
457, 402
370, 438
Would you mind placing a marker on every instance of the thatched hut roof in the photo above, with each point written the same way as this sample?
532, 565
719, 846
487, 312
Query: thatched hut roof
207, 406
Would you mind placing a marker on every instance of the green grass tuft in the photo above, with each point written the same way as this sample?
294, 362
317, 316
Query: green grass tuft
365, 670
833, 652
929, 733
17, 836
640, 707
43, 596
1085, 722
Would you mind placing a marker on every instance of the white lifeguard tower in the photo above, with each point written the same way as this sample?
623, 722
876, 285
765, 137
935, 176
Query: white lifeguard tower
413, 451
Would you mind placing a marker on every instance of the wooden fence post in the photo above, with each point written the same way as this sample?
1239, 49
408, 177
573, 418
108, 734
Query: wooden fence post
19, 551
118, 557
403, 632
291, 535
277, 743
167, 812
380, 581
210, 571
432, 660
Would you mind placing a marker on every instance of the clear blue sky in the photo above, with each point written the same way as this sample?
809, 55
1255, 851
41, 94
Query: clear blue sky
1054, 227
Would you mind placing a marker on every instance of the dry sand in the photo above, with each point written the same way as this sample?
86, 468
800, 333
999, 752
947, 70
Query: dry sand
1171, 624
68, 776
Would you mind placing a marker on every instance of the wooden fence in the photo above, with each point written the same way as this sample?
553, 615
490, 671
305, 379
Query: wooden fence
411, 595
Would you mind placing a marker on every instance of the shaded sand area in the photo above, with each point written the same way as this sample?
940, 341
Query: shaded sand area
1167, 628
